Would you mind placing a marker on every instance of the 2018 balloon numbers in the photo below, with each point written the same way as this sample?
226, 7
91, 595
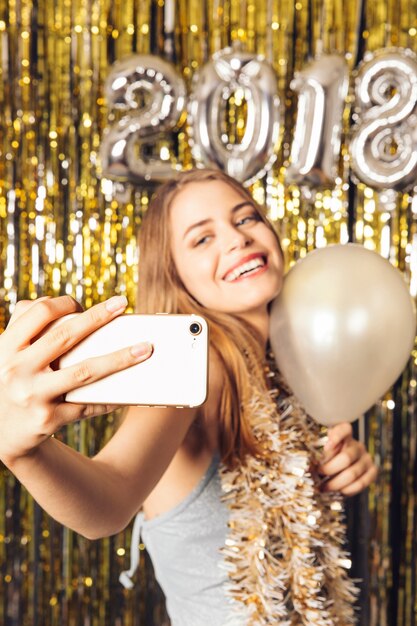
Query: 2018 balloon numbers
153, 99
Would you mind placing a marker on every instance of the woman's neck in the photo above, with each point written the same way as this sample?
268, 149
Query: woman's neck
259, 320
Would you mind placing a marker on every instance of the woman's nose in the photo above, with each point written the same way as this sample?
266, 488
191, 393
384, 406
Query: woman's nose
236, 239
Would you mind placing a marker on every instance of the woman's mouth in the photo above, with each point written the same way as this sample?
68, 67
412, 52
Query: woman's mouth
246, 269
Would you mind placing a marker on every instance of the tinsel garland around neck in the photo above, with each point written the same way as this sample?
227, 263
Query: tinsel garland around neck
284, 550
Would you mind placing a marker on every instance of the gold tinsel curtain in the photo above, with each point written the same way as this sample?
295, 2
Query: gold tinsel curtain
63, 231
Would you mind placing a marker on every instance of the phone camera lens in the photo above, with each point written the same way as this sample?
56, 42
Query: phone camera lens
195, 328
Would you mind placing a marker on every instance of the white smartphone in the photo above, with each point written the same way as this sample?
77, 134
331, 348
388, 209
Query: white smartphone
174, 375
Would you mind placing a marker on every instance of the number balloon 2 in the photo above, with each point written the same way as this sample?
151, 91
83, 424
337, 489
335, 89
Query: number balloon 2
153, 98
152, 94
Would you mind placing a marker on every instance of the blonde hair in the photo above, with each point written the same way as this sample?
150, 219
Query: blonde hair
236, 343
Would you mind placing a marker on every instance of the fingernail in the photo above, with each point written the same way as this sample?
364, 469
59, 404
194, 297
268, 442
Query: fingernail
109, 408
323, 441
116, 303
329, 445
141, 349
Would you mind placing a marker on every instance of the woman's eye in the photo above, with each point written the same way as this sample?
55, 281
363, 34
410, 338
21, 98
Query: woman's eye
248, 218
202, 240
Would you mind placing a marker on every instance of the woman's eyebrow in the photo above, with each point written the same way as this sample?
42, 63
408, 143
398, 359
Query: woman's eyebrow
196, 225
240, 205
209, 219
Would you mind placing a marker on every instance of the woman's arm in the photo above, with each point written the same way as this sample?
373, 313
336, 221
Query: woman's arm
93, 496
98, 497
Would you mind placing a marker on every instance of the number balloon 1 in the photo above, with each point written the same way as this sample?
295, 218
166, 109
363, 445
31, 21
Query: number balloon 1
322, 89
230, 71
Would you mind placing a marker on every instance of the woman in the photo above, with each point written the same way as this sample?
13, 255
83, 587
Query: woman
205, 248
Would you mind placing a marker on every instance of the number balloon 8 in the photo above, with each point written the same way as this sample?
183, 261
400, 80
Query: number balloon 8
384, 140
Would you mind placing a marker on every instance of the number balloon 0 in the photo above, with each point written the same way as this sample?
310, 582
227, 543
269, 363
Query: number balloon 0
384, 141
157, 83
228, 71
322, 87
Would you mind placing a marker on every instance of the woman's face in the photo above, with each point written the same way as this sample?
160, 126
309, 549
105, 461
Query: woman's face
226, 256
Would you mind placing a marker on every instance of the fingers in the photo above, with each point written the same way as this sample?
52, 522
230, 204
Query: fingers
350, 471
63, 336
66, 413
30, 321
53, 384
22, 306
32, 406
336, 434
361, 483
347, 455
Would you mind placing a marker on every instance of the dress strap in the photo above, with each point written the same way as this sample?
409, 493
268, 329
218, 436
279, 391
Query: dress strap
126, 576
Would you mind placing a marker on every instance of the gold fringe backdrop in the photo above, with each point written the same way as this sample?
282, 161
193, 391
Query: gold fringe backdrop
63, 231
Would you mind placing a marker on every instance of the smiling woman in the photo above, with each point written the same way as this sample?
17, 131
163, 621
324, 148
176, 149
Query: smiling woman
212, 258
222, 258
239, 502
209, 226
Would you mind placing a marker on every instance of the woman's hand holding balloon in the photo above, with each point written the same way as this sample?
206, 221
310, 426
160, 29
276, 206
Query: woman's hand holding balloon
32, 405
347, 464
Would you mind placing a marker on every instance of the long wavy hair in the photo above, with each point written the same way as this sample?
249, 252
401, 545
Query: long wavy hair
236, 343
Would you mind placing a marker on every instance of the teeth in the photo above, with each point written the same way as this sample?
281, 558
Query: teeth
245, 267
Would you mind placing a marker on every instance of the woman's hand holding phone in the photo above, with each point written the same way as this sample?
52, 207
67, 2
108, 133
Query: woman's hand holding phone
32, 405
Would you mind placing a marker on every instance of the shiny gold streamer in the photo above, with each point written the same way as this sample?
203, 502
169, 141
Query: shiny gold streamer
276, 502
62, 230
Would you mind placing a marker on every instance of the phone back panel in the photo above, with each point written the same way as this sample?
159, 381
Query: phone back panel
175, 374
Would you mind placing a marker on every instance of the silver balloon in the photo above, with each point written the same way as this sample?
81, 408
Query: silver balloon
342, 330
153, 95
384, 139
228, 71
322, 87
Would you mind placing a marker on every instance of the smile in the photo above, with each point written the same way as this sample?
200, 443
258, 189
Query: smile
246, 269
